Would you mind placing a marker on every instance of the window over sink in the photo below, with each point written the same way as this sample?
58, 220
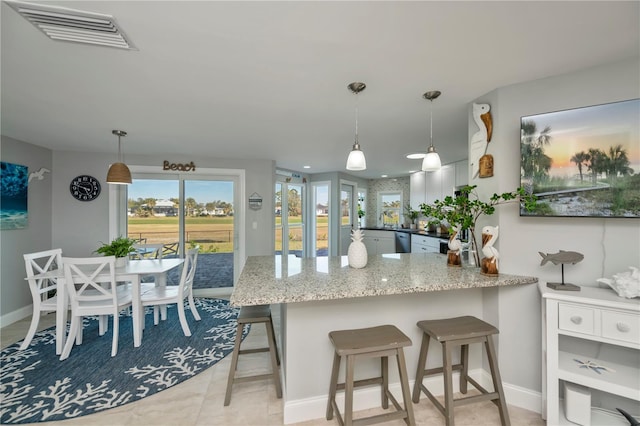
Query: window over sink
389, 208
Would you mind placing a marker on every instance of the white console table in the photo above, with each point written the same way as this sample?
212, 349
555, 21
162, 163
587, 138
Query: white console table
595, 314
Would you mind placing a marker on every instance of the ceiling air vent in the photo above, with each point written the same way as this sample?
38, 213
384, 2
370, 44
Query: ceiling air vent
61, 23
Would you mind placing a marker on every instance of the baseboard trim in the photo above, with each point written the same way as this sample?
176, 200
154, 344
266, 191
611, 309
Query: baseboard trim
315, 408
15, 316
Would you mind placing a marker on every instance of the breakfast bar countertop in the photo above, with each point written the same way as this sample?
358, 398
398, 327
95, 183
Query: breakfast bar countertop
274, 279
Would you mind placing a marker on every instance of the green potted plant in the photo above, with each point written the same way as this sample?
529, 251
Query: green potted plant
120, 248
411, 215
466, 209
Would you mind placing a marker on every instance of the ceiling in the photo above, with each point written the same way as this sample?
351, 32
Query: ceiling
268, 80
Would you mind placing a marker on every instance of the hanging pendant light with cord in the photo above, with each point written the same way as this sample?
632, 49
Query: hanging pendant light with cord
119, 173
356, 160
431, 161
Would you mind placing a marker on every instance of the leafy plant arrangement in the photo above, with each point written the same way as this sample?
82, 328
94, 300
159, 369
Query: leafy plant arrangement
120, 247
465, 210
411, 214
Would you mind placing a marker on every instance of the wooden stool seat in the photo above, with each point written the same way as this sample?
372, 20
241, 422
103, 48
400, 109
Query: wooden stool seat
451, 332
382, 341
254, 315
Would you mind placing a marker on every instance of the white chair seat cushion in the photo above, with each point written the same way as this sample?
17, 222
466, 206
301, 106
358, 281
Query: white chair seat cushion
124, 297
159, 293
49, 304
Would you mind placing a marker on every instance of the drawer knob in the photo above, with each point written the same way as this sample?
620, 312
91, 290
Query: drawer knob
623, 327
576, 320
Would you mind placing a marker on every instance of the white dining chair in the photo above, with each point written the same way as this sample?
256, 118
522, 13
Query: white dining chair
159, 296
147, 251
43, 290
93, 290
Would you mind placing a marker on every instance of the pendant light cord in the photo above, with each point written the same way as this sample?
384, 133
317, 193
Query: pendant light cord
356, 141
431, 121
119, 151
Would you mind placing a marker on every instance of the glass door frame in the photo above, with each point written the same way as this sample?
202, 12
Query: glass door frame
312, 217
118, 204
353, 214
284, 205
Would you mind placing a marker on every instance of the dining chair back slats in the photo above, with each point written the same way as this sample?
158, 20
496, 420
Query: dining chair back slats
159, 296
93, 290
41, 289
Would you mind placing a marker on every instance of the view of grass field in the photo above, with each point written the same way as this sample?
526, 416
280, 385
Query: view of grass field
215, 234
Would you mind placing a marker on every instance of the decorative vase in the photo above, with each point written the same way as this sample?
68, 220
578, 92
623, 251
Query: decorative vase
121, 262
357, 253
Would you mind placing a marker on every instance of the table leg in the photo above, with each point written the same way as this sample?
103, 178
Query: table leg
136, 311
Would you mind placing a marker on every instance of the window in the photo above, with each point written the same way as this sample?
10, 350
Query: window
389, 208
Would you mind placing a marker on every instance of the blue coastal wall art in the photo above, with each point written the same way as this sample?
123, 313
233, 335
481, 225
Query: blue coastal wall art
13, 195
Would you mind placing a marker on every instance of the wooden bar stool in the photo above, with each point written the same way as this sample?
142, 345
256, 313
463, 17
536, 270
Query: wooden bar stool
254, 315
383, 342
460, 331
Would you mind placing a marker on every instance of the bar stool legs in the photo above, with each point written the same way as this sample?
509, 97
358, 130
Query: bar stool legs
254, 315
382, 342
453, 332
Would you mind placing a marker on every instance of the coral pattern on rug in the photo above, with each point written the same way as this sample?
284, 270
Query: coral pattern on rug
36, 387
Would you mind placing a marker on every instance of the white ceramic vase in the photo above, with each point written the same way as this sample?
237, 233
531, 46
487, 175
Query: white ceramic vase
121, 262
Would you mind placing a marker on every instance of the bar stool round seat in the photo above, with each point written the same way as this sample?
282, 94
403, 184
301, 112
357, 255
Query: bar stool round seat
382, 341
453, 332
260, 314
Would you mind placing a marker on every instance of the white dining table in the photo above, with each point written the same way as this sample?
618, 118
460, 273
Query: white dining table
131, 272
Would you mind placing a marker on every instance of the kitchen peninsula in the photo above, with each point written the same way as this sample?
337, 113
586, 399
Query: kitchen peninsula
321, 294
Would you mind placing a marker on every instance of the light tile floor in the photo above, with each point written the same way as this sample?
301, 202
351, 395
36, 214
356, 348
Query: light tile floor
199, 401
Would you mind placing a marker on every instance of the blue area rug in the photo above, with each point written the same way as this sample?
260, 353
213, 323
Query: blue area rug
35, 386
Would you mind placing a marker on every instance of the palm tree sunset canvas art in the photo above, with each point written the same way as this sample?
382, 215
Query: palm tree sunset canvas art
583, 161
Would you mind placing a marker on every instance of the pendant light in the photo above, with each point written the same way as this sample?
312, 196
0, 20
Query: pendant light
119, 172
431, 161
356, 160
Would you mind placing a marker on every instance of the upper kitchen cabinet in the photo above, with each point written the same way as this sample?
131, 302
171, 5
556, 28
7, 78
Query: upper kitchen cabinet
417, 190
462, 173
426, 187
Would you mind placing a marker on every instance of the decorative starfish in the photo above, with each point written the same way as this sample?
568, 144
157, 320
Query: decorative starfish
593, 366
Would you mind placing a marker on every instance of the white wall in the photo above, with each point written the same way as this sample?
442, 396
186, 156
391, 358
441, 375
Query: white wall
79, 226
609, 245
15, 297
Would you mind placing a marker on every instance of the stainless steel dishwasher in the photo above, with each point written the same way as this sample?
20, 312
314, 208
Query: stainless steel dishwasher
403, 242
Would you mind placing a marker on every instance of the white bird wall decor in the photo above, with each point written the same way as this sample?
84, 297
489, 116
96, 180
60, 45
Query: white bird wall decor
480, 139
38, 174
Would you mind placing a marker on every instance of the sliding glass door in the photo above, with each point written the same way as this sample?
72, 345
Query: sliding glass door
181, 213
289, 219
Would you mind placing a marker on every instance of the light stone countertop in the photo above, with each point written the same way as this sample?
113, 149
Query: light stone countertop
273, 279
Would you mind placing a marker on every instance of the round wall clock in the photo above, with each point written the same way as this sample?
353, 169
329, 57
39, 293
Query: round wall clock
84, 188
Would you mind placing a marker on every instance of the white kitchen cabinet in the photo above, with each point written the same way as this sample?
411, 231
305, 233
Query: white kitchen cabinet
424, 244
427, 187
379, 242
447, 180
462, 173
417, 190
440, 184
592, 314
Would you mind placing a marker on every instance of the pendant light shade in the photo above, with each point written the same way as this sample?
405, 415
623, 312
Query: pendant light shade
431, 161
119, 173
356, 160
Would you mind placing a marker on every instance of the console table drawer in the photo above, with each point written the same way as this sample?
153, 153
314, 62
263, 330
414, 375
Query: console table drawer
619, 326
576, 318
